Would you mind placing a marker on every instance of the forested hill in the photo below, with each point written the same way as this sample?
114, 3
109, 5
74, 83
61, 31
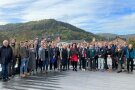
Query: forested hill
42, 28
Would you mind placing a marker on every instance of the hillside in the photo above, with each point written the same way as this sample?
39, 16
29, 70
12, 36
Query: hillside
107, 35
112, 36
43, 28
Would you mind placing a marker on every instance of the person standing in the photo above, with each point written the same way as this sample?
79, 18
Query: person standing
105, 47
46, 61
74, 56
41, 54
91, 55
83, 57
52, 53
96, 56
32, 59
124, 49
64, 58
119, 54
68, 61
101, 58
114, 61
79, 53
36, 46
15, 61
24, 53
109, 59
6, 55
130, 55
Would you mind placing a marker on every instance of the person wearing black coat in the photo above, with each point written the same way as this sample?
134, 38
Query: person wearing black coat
101, 58
6, 55
53, 57
105, 48
119, 54
83, 52
109, 59
64, 58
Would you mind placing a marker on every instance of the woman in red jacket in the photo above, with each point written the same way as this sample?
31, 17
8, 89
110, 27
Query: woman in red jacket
74, 56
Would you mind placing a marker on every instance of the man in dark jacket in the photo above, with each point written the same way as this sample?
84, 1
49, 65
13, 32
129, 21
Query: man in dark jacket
6, 54
91, 55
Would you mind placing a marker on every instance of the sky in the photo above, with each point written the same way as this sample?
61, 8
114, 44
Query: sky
96, 16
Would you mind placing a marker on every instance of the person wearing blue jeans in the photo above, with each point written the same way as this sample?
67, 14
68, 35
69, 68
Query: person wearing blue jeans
24, 66
24, 53
44, 56
45, 65
4, 71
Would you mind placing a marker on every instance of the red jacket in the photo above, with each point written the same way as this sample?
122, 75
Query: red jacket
74, 58
74, 55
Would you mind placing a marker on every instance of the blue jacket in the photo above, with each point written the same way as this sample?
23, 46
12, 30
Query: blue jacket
132, 55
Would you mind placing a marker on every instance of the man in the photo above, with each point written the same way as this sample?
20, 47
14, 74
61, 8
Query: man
114, 61
15, 56
6, 54
91, 55
130, 55
101, 58
41, 54
96, 55
36, 46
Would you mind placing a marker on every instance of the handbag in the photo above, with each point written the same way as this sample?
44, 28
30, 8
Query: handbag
53, 60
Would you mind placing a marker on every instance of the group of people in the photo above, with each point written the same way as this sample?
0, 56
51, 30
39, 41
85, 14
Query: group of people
29, 57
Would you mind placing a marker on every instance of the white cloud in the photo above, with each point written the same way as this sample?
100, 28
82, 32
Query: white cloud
91, 15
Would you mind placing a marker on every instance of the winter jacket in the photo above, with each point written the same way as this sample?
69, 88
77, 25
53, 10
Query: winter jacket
6, 55
130, 53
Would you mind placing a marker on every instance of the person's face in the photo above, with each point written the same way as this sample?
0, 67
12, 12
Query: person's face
73, 45
109, 47
52, 45
90, 46
13, 41
5, 43
26, 44
21, 44
130, 46
42, 43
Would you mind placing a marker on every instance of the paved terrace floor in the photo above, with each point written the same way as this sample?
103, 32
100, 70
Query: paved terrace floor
70, 80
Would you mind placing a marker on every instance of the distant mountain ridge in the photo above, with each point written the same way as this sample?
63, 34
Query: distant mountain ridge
112, 36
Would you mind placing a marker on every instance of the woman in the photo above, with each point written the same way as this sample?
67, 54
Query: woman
74, 56
32, 59
24, 54
68, 62
130, 55
64, 58
119, 56
46, 61
53, 61
41, 54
